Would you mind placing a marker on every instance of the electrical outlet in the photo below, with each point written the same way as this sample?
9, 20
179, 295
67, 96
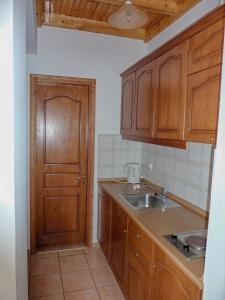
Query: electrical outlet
150, 165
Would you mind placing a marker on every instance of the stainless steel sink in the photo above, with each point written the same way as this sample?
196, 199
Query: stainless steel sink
147, 200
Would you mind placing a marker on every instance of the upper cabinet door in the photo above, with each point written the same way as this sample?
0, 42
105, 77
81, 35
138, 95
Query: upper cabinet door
206, 48
171, 77
128, 95
144, 102
203, 94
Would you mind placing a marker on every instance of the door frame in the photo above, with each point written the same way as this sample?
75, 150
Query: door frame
91, 83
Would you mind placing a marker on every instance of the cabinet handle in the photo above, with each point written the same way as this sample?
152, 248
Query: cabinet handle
137, 254
154, 266
125, 231
212, 139
138, 235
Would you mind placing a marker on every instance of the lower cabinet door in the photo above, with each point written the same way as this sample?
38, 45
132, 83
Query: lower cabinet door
169, 282
137, 279
104, 221
118, 241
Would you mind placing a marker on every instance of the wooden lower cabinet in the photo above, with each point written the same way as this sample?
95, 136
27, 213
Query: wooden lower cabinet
104, 221
118, 241
141, 268
169, 282
137, 277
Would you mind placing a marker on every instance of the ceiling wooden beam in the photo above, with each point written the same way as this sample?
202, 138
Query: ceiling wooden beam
57, 20
165, 7
153, 29
39, 12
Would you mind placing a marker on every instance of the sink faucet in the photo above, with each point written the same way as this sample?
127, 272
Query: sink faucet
162, 195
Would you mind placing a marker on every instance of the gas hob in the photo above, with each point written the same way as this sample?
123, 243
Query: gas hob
191, 244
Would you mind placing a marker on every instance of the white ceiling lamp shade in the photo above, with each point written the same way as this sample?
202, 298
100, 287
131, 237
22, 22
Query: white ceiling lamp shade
128, 16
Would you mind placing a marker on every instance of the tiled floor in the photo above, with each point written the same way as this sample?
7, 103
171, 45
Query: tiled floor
77, 274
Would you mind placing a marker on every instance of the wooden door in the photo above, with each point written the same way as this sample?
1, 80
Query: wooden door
203, 94
169, 282
118, 241
61, 166
206, 48
127, 104
104, 221
144, 102
171, 77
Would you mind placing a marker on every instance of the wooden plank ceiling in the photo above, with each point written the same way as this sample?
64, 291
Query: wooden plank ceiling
92, 15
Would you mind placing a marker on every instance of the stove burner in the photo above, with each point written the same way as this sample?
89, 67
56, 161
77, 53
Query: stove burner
196, 242
192, 244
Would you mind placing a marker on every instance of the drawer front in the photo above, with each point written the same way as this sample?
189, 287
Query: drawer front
139, 239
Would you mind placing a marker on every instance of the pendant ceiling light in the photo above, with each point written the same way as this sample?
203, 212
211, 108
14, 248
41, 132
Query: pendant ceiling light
128, 16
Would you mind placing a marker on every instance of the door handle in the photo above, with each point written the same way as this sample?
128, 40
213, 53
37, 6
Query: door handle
81, 178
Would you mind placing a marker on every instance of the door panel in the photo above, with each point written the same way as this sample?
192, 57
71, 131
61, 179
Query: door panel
128, 95
206, 47
104, 221
59, 214
171, 78
203, 94
62, 122
169, 282
118, 241
144, 106
62, 137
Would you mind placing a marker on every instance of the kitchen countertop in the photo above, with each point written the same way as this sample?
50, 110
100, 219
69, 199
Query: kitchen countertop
157, 224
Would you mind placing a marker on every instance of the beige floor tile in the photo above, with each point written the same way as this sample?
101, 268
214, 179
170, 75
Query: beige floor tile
110, 293
70, 252
44, 266
96, 259
73, 281
51, 297
103, 276
92, 249
45, 285
90, 294
73, 263
39, 255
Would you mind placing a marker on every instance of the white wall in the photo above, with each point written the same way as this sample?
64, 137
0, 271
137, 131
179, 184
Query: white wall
67, 52
215, 254
20, 132
7, 199
13, 213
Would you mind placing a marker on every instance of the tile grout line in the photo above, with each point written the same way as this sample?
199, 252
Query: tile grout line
92, 276
61, 275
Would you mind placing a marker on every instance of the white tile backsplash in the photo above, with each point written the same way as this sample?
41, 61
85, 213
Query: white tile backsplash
114, 153
183, 172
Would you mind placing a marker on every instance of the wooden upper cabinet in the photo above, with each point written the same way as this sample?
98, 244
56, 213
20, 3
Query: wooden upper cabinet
169, 282
127, 107
144, 100
203, 94
171, 76
206, 47
104, 221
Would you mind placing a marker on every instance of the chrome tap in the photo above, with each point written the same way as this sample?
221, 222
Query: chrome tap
162, 195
